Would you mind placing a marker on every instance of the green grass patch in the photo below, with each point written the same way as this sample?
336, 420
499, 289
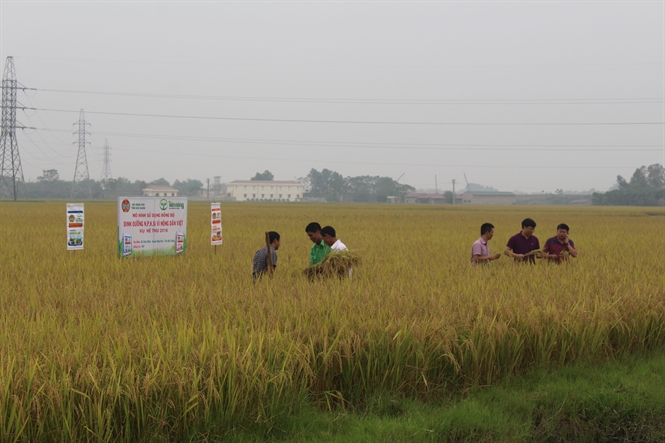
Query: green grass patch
622, 401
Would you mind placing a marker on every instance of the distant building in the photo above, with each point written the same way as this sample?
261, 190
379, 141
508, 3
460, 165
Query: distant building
266, 190
429, 199
486, 198
160, 191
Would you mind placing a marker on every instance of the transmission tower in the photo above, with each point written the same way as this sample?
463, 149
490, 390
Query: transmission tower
81, 171
11, 172
106, 169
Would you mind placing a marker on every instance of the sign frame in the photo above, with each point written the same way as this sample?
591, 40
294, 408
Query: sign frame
150, 226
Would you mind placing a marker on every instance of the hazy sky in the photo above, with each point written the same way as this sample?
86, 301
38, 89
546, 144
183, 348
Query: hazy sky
506, 92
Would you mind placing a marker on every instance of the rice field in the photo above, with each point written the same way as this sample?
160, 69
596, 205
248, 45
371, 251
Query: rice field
96, 348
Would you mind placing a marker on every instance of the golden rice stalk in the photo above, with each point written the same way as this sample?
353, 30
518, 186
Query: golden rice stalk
534, 252
335, 264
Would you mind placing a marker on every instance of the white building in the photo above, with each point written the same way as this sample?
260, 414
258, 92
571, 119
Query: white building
487, 198
266, 190
160, 191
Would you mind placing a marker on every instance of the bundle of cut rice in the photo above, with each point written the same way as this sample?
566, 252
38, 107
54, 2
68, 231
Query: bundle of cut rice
336, 264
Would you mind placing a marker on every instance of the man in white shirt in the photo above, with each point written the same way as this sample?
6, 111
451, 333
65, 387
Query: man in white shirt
330, 238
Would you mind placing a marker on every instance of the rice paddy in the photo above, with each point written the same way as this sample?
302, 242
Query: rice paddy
96, 348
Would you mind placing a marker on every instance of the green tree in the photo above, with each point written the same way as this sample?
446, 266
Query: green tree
644, 189
188, 187
639, 179
656, 176
266, 175
160, 182
49, 175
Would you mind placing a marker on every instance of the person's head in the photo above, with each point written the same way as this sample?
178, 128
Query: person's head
313, 231
329, 235
562, 231
487, 231
528, 226
273, 237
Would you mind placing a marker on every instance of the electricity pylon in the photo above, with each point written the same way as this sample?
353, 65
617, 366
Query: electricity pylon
81, 170
11, 172
106, 169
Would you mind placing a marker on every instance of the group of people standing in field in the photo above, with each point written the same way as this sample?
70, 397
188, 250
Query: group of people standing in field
325, 242
524, 246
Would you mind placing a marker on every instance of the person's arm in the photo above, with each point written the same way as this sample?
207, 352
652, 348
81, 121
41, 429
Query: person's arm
509, 249
312, 257
274, 260
478, 258
546, 253
512, 254
570, 248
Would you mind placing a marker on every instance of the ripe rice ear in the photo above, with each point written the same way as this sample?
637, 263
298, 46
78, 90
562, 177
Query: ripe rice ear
336, 264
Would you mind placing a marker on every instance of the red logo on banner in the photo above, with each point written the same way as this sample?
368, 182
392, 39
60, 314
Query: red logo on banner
125, 205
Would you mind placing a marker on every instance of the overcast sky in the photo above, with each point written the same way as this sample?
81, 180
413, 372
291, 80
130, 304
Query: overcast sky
529, 96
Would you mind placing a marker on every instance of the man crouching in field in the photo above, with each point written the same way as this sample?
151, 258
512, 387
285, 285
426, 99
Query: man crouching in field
480, 251
556, 247
261, 264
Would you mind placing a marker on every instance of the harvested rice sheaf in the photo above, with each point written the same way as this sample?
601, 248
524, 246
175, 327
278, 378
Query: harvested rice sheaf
336, 264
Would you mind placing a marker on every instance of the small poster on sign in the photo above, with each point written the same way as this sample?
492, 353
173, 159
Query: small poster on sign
215, 224
75, 219
126, 245
179, 242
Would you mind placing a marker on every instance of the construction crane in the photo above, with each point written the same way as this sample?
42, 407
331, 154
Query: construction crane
467, 182
400, 176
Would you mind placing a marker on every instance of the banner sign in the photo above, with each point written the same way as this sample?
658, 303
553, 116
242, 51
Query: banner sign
74, 226
215, 224
152, 226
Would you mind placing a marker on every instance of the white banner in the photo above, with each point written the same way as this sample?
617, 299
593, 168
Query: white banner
215, 224
75, 219
152, 226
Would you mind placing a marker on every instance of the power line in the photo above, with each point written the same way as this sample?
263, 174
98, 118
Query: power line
380, 145
579, 101
287, 65
326, 161
401, 123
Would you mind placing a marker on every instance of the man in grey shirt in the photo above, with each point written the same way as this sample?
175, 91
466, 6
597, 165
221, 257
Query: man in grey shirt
260, 262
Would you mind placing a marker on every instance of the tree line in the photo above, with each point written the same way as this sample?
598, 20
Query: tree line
49, 185
645, 188
333, 187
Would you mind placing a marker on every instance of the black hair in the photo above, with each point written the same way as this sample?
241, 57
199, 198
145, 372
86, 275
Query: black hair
328, 230
563, 226
486, 227
528, 223
272, 236
313, 227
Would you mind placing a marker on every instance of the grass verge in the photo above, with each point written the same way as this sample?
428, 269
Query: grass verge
622, 401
